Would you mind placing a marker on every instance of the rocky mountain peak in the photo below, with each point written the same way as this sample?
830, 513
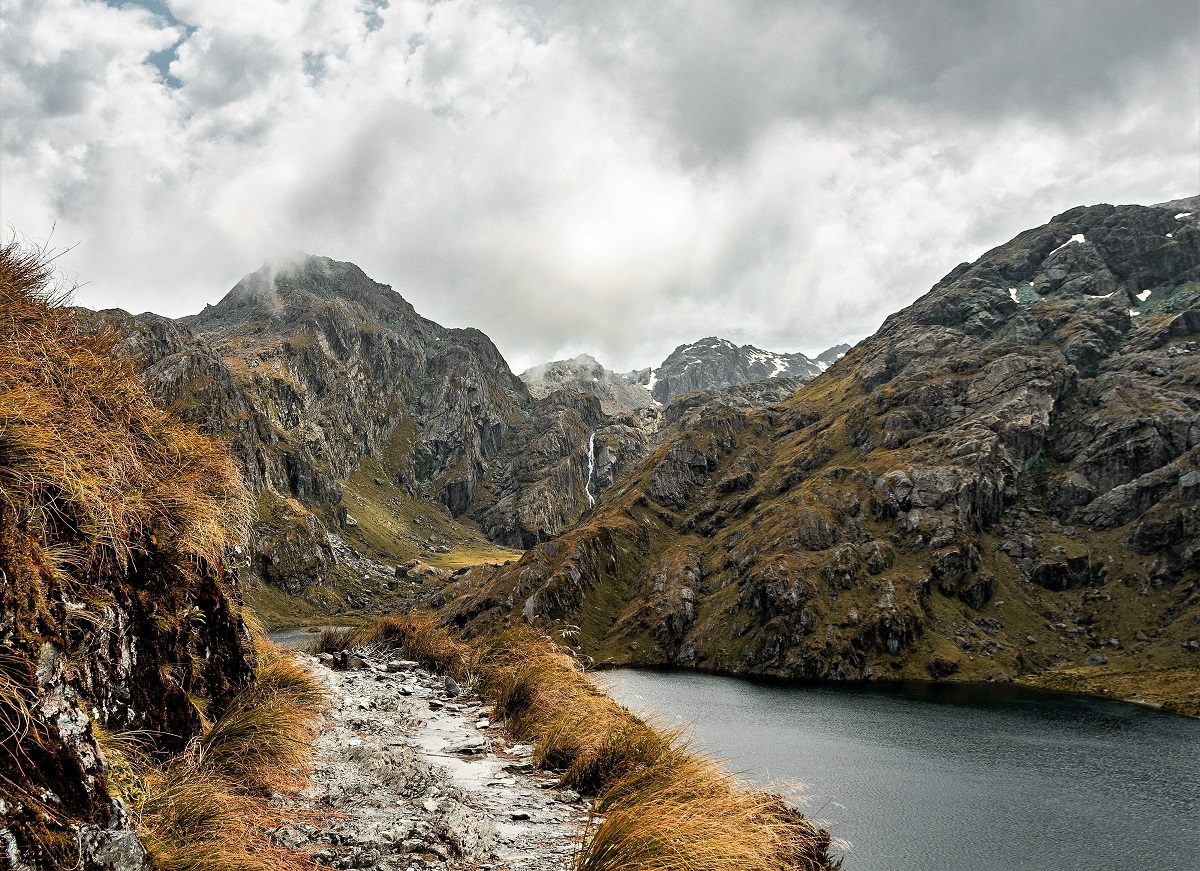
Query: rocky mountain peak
583, 373
1001, 483
286, 293
714, 362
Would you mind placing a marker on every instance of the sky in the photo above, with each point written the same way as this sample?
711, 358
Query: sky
615, 178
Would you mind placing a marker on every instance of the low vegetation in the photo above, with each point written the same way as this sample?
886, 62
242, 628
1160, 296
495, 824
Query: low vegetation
209, 808
660, 805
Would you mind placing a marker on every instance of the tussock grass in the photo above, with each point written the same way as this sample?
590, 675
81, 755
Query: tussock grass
337, 639
660, 806
82, 443
685, 812
263, 739
209, 809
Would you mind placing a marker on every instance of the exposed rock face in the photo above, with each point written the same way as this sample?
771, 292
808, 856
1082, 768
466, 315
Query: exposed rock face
709, 364
1015, 456
337, 362
712, 363
617, 393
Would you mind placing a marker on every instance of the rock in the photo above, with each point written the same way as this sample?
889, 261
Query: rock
470, 747
108, 850
1097, 659
453, 690
1141, 636
941, 666
714, 363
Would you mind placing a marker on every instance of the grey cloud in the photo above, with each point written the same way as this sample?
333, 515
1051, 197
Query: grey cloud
600, 177
720, 72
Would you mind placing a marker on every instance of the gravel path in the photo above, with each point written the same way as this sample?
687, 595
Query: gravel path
409, 776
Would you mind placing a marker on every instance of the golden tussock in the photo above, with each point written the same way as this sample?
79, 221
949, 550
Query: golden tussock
83, 444
210, 808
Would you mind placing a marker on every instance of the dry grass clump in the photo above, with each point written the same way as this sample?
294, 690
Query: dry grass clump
685, 812
337, 638
209, 809
660, 805
82, 442
262, 741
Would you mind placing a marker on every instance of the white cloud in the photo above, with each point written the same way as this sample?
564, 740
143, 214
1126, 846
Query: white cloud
578, 179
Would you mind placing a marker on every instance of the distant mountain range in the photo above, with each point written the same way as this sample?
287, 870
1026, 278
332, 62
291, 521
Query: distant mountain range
709, 364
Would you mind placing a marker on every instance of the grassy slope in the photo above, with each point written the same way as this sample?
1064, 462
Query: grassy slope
115, 523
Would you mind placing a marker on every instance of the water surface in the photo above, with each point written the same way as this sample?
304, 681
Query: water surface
958, 777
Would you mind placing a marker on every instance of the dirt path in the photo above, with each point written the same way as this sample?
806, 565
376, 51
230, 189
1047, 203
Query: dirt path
418, 779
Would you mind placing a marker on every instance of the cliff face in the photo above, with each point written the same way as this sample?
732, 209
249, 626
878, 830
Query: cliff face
1002, 480
707, 365
117, 609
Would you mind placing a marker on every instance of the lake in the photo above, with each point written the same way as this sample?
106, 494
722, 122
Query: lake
966, 777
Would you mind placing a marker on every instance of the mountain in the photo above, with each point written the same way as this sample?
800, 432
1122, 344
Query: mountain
1001, 483
713, 363
616, 392
831, 355
365, 430
709, 364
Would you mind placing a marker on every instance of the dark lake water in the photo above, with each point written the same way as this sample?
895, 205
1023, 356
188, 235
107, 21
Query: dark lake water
960, 778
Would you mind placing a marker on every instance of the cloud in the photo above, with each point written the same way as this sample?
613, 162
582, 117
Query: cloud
609, 178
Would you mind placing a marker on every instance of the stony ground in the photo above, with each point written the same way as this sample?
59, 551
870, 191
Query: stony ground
410, 774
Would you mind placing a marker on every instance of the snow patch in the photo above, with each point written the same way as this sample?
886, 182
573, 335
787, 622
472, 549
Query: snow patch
1101, 296
1144, 295
1012, 292
1078, 237
1183, 215
1133, 313
649, 385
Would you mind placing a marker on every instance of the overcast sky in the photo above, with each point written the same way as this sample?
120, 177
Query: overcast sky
610, 177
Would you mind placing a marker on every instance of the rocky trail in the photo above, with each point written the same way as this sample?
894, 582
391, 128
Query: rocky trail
410, 773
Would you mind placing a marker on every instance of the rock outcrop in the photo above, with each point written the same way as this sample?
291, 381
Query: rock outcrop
1002, 480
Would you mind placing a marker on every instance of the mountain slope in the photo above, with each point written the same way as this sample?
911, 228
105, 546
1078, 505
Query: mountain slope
118, 610
1000, 482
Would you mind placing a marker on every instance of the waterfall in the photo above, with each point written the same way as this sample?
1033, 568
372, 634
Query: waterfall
587, 487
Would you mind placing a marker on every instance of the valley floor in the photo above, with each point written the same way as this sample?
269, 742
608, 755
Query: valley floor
408, 777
